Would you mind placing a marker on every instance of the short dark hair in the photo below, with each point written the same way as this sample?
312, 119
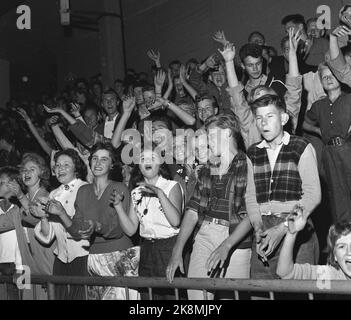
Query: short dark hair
148, 88
250, 49
110, 91
104, 146
174, 62
79, 166
336, 231
161, 116
202, 97
255, 33
268, 99
115, 173
294, 18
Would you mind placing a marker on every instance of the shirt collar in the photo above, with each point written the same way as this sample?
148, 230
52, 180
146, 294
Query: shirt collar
114, 118
249, 85
285, 140
70, 185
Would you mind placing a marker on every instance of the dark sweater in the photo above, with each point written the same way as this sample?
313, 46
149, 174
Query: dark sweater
111, 236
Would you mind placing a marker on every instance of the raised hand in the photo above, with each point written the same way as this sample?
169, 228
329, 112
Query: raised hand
219, 36
37, 210
150, 189
55, 207
159, 78
182, 74
211, 62
341, 31
91, 227
154, 56
228, 52
158, 104
23, 114
53, 120
116, 198
294, 39
52, 110
15, 188
75, 110
297, 220
128, 104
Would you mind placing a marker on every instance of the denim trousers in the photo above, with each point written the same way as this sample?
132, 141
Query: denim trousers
209, 237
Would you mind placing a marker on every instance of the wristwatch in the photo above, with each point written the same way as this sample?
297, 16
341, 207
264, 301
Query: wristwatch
166, 104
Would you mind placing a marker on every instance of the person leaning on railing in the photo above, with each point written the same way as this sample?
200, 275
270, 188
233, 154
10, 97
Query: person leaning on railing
339, 252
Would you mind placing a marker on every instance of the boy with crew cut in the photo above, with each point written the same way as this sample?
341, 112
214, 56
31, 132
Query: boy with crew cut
283, 174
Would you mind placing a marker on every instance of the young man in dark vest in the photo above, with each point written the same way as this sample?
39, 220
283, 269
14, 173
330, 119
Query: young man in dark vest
284, 175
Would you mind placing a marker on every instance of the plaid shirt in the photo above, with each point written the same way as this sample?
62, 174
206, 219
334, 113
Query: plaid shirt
211, 196
284, 183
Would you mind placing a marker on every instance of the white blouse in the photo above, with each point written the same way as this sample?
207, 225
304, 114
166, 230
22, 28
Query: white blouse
67, 249
153, 222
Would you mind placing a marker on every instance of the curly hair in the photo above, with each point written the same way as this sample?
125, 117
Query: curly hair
115, 172
44, 175
79, 166
342, 228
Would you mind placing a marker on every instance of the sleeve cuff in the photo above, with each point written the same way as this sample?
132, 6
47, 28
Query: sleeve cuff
44, 239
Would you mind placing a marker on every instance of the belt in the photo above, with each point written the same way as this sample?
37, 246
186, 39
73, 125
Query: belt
275, 214
337, 141
221, 222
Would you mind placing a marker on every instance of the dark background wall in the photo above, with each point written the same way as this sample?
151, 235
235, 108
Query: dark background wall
178, 28
184, 28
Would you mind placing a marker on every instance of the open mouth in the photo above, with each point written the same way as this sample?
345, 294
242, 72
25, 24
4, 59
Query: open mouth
61, 175
26, 178
148, 167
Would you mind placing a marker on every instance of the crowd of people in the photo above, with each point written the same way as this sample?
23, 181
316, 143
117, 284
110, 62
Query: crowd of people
222, 168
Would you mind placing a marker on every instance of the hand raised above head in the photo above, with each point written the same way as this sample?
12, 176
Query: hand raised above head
228, 52
52, 110
128, 104
159, 78
219, 36
23, 114
154, 55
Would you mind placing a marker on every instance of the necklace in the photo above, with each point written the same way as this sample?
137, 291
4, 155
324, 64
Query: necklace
35, 193
146, 210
